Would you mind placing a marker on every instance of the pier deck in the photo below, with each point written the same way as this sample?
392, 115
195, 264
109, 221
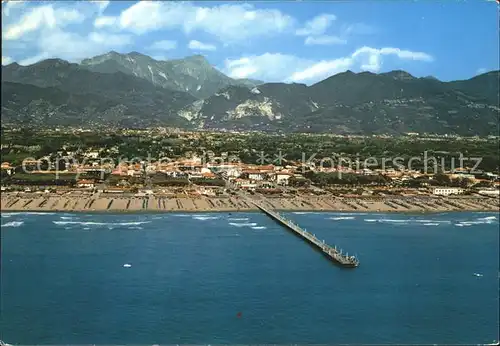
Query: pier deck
328, 250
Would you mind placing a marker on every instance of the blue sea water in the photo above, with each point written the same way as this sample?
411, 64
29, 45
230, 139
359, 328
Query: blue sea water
241, 278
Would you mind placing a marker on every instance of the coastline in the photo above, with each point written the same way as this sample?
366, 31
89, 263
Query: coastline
155, 204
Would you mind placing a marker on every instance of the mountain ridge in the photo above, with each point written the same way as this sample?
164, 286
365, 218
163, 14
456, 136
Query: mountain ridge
192, 74
347, 102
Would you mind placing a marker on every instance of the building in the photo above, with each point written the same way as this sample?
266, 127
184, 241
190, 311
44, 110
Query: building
282, 178
254, 174
85, 183
446, 191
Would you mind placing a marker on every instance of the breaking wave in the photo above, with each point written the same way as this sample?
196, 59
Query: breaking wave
247, 224
204, 217
259, 227
68, 217
238, 219
408, 221
26, 213
479, 221
342, 218
91, 223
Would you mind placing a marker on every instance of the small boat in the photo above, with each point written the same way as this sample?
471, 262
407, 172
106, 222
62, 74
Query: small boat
126, 265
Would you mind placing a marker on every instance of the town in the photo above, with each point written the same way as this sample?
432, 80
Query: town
172, 170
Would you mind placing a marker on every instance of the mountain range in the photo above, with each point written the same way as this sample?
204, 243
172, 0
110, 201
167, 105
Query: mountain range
135, 90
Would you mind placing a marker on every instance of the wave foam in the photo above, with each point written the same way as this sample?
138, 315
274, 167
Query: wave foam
13, 224
203, 217
26, 213
238, 219
91, 223
259, 227
342, 218
248, 224
68, 217
406, 221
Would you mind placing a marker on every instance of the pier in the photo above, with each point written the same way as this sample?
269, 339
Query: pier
329, 251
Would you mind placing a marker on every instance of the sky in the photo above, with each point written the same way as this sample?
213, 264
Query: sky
295, 41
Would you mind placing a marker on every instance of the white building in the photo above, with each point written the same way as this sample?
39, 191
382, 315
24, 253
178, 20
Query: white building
282, 178
446, 191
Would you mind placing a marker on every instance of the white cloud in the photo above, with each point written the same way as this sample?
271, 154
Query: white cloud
372, 58
163, 45
268, 66
317, 25
289, 68
74, 47
42, 17
197, 45
228, 22
321, 70
6, 60
481, 70
324, 40
43, 30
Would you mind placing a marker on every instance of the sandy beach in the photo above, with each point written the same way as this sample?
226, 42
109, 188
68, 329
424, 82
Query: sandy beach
82, 202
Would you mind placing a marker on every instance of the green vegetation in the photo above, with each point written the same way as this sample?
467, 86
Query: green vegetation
43, 179
250, 148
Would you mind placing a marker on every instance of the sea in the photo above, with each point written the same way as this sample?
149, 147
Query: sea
241, 278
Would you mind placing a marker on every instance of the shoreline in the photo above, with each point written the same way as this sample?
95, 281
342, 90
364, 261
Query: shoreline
192, 205
194, 212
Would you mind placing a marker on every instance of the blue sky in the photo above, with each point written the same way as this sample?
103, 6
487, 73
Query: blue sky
303, 41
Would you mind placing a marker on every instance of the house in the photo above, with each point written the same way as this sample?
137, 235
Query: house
244, 184
446, 191
208, 175
7, 167
92, 154
282, 178
254, 174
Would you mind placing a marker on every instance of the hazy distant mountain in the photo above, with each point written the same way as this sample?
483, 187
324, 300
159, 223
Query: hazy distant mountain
192, 74
115, 90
